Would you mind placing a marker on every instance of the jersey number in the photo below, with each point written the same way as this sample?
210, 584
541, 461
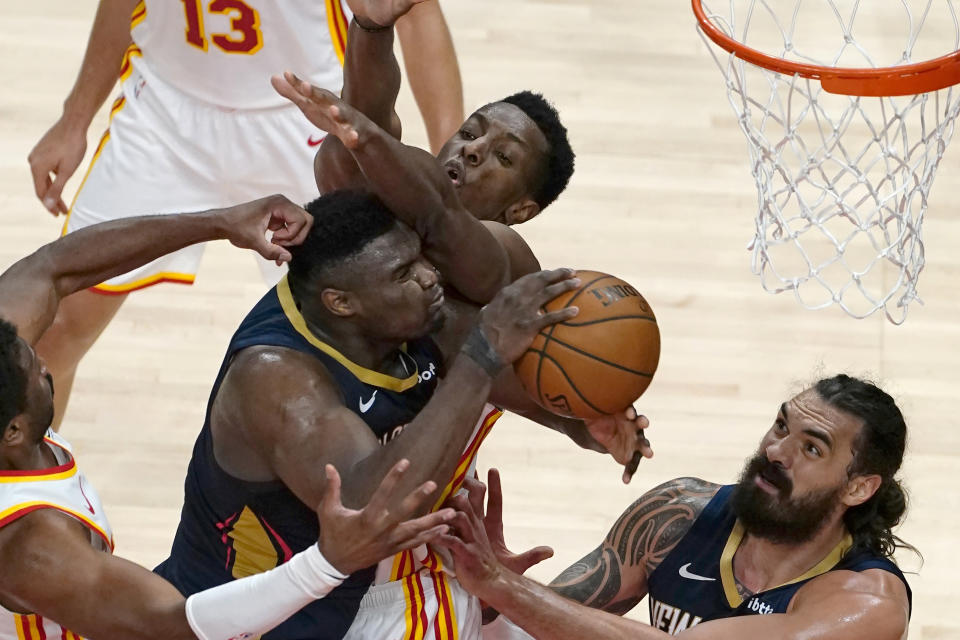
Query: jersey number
245, 35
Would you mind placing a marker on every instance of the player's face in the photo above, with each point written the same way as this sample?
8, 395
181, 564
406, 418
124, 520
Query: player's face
796, 481
398, 296
495, 160
39, 392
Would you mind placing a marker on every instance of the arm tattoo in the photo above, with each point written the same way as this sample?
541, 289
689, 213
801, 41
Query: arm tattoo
638, 542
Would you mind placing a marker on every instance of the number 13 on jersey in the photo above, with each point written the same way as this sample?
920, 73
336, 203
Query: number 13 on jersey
244, 35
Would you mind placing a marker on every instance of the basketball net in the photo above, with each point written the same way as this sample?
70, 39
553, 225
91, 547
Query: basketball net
842, 173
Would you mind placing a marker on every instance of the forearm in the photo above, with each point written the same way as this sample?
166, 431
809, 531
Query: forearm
371, 75
109, 38
544, 614
432, 70
417, 190
89, 256
433, 441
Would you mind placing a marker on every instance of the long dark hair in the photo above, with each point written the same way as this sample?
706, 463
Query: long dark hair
878, 449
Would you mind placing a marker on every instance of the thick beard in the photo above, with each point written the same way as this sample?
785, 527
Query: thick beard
780, 518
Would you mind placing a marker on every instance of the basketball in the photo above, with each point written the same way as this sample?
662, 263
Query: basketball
599, 362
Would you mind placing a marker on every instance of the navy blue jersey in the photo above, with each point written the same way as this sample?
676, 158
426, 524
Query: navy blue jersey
695, 581
230, 528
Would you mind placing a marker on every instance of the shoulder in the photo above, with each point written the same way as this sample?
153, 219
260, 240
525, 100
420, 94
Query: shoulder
689, 494
275, 365
875, 597
522, 259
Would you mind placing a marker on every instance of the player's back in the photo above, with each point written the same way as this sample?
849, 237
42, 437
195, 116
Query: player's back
224, 52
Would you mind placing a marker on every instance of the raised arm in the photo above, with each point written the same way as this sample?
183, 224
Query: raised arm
32, 288
48, 568
415, 188
61, 148
432, 70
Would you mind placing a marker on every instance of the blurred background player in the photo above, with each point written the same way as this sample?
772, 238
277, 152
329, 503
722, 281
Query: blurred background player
801, 547
198, 126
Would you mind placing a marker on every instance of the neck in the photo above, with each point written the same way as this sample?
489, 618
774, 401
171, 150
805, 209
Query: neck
34, 457
348, 339
760, 564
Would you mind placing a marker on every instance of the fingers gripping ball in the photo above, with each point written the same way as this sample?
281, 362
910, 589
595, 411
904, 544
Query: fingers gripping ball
599, 362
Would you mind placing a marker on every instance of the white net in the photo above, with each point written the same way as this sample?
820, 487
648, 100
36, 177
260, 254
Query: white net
842, 181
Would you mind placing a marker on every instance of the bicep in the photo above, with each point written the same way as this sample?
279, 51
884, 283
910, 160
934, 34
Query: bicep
291, 414
49, 568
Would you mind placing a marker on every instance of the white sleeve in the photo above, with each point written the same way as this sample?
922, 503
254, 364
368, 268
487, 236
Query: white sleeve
259, 603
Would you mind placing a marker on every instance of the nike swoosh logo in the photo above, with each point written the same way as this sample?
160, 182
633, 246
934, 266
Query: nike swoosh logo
312, 143
692, 576
365, 406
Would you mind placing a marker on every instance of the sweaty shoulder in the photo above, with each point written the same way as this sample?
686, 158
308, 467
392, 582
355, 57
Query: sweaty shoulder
666, 513
522, 260
868, 604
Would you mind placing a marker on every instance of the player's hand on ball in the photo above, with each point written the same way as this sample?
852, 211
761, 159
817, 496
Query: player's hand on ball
247, 225
322, 108
514, 317
623, 436
353, 539
493, 524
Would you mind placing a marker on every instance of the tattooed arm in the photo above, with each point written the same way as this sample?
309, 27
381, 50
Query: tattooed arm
613, 577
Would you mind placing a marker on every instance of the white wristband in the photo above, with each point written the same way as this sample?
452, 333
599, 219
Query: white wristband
252, 606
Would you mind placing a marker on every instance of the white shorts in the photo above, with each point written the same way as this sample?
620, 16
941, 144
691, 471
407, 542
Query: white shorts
412, 609
167, 153
504, 629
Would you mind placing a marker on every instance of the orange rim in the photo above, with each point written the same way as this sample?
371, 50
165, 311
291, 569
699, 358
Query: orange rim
903, 80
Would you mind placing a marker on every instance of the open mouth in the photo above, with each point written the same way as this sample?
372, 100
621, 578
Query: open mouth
455, 172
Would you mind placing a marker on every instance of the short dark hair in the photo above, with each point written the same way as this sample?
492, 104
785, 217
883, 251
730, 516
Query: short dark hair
344, 222
13, 379
560, 154
878, 449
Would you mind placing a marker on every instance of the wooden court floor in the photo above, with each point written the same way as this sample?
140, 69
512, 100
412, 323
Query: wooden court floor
662, 196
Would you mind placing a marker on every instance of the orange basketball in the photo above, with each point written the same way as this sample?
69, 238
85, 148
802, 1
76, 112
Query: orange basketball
599, 362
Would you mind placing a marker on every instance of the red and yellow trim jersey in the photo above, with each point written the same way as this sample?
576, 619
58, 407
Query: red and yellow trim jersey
223, 52
63, 488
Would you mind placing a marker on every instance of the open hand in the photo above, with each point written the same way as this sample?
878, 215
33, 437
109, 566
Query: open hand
515, 316
247, 225
322, 108
493, 524
622, 435
351, 540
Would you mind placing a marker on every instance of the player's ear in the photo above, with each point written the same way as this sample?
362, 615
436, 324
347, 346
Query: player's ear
521, 211
860, 489
14, 434
337, 302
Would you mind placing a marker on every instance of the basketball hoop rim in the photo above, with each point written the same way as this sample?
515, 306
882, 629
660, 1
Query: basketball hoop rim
902, 80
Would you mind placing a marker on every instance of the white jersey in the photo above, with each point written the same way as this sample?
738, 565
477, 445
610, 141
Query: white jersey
223, 52
65, 489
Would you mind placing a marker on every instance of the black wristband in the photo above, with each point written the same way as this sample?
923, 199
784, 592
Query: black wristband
478, 348
375, 28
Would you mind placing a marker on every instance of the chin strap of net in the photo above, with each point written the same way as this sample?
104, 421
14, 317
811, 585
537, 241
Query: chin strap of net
842, 181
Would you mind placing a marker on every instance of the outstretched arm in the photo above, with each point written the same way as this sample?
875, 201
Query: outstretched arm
415, 188
49, 568
31, 289
834, 607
